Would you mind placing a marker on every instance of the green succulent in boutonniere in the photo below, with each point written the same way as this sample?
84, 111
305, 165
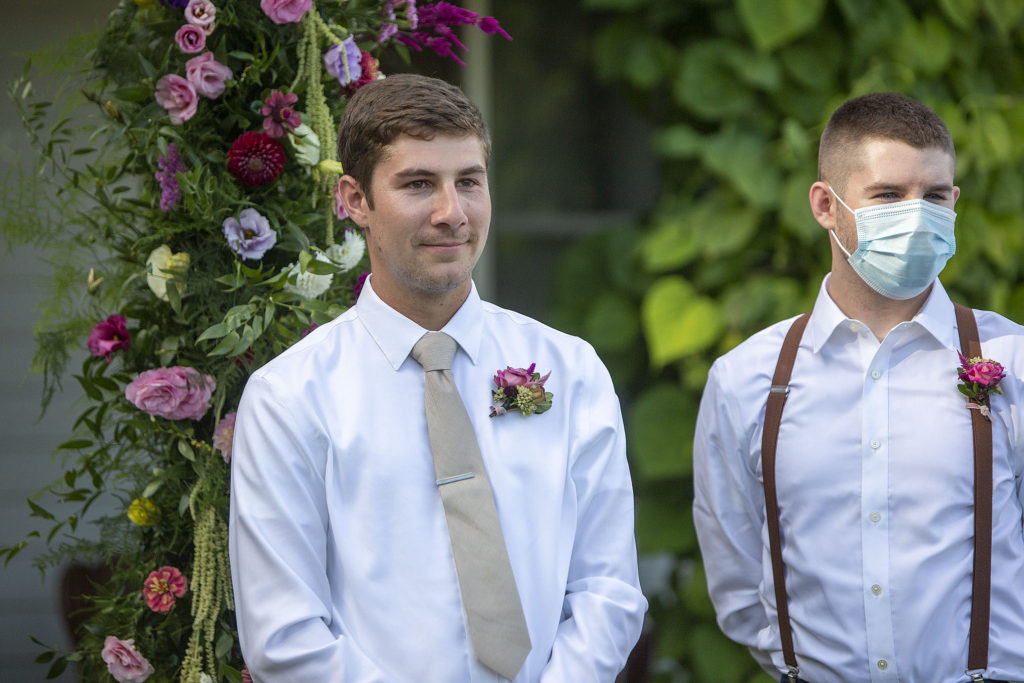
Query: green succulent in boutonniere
979, 378
520, 389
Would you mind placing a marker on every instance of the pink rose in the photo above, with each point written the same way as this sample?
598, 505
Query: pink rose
207, 75
124, 662
190, 39
201, 13
285, 11
224, 434
108, 336
987, 373
178, 97
176, 393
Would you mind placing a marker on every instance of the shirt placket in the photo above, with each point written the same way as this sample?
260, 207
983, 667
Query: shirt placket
875, 509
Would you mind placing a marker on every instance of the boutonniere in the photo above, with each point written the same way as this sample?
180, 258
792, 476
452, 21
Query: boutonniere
520, 389
979, 378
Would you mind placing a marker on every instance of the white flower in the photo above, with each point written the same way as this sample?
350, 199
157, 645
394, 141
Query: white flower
307, 285
205, 678
162, 266
349, 252
306, 145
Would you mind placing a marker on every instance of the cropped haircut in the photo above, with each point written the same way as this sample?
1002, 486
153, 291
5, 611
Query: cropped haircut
404, 104
878, 116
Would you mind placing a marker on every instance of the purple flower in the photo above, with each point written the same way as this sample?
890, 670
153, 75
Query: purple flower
190, 39
358, 287
108, 336
174, 4
285, 11
490, 26
175, 393
224, 434
207, 75
343, 61
440, 17
169, 167
250, 236
178, 97
281, 117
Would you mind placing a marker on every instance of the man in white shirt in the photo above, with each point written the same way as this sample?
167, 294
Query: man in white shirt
341, 557
874, 456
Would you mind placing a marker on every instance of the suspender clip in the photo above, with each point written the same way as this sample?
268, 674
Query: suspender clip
779, 389
794, 672
976, 675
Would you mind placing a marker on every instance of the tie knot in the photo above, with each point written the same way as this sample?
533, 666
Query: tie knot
434, 351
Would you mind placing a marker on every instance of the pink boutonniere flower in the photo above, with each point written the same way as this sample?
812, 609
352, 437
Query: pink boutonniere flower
520, 389
979, 379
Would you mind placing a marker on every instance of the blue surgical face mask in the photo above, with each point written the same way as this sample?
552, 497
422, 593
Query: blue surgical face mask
901, 247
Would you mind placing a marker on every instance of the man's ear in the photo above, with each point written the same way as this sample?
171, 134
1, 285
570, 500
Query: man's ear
823, 205
354, 200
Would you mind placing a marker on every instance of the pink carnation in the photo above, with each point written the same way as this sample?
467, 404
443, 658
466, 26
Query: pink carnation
207, 75
124, 662
108, 336
190, 39
285, 11
176, 393
178, 96
224, 434
163, 587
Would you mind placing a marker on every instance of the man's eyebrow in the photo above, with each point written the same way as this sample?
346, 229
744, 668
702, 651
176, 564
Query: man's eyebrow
896, 187
476, 169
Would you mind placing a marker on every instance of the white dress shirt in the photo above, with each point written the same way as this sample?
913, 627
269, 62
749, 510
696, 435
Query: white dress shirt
340, 555
875, 487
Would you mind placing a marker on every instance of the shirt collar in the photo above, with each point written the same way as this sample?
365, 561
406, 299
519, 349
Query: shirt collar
936, 317
395, 335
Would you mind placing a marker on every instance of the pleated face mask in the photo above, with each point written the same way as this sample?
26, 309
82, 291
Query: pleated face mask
901, 247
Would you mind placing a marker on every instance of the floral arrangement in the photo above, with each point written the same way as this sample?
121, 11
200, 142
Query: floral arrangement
197, 235
520, 389
979, 379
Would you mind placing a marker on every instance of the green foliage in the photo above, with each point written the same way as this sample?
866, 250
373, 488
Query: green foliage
737, 92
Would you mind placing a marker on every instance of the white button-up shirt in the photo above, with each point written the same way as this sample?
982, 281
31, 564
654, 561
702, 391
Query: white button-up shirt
876, 493
340, 555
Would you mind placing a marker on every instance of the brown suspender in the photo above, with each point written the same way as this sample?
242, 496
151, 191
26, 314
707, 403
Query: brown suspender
977, 656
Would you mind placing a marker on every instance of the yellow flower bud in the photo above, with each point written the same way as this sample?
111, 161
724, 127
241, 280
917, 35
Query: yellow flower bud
143, 512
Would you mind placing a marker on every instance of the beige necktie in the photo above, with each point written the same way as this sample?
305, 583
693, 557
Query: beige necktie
493, 610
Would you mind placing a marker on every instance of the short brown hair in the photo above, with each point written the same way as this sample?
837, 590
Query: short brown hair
402, 104
884, 116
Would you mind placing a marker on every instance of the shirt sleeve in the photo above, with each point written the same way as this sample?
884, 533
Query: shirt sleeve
603, 609
728, 514
287, 627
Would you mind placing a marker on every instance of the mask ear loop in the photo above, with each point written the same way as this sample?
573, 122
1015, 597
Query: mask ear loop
832, 231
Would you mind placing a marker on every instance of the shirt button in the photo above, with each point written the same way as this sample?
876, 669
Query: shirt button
854, 326
876, 589
882, 664
875, 516
875, 374
875, 443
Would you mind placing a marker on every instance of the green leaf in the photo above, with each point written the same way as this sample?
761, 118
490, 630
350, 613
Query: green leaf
678, 322
226, 344
75, 444
775, 23
716, 658
612, 323
744, 159
39, 511
215, 332
677, 142
661, 425
224, 645
90, 389
186, 450
707, 84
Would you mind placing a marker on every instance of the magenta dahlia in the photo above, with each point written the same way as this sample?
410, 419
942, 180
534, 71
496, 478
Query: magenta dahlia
256, 158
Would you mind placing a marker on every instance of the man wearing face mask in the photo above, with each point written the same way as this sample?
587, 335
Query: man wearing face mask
860, 518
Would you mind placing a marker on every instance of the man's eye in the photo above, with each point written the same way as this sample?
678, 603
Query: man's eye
416, 184
469, 182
